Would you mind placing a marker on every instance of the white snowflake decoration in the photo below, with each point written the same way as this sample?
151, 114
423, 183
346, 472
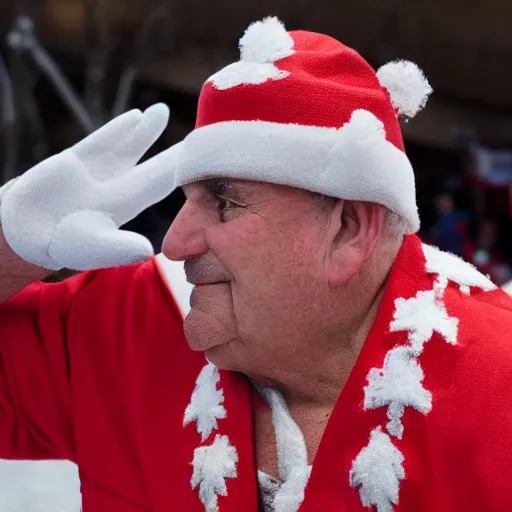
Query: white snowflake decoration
212, 465
264, 43
455, 269
377, 472
205, 406
421, 316
397, 385
395, 427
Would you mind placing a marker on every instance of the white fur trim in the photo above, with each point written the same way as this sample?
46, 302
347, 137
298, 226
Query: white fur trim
398, 384
407, 86
175, 279
290, 495
377, 471
440, 285
291, 447
205, 406
421, 316
455, 269
508, 288
292, 454
212, 465
244, 73
354, 162
4, 188
263, 43
266, 41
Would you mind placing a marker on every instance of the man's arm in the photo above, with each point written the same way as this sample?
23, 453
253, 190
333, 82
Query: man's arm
67, 349
35, 388
66, 213
16, 273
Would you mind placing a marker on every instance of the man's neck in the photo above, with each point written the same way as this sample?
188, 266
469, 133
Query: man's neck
323, 371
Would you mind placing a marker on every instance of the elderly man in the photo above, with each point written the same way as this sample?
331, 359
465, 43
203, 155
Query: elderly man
347, 366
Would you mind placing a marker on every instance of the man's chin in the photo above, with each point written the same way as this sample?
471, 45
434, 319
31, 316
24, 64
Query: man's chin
201, 335
211, 321
204, 335
216, 352
220, 356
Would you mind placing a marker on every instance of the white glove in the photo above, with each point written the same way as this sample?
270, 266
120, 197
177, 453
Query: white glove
65, 212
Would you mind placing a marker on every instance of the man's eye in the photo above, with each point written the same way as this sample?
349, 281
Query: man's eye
224, 205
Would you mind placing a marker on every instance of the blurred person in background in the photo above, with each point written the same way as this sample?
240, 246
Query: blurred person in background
484, 252
450, 231
326, 358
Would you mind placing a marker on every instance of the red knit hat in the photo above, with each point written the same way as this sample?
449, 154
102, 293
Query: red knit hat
304, 110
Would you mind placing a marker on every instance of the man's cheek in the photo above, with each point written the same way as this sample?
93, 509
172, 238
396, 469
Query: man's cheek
248, 312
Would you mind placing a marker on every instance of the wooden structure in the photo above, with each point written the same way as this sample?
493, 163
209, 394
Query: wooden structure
464, 46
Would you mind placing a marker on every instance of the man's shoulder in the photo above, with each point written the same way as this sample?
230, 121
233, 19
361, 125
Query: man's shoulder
157, 281
481, 359
132, 309
154, 289
478, 357
483, 315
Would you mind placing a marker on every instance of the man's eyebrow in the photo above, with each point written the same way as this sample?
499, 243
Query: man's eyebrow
223, 187
218, 187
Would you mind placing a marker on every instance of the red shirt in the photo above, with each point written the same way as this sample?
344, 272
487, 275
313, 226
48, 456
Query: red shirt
96, 370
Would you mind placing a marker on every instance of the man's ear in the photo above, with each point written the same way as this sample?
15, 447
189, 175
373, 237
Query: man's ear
357, 228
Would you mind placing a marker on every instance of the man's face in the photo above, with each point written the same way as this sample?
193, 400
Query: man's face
257, 255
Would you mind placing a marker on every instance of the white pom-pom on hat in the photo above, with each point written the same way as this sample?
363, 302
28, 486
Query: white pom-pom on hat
263, 43
266, 41
407, 86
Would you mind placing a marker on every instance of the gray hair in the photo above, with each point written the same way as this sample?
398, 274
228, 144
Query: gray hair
396, 226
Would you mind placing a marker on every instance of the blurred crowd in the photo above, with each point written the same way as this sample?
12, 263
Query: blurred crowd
477, 240
466, 209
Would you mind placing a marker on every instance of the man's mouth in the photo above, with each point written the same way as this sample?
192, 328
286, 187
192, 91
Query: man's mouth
197, 289
205, 283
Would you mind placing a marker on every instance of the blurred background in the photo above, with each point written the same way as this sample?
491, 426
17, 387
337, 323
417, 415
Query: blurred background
69, 66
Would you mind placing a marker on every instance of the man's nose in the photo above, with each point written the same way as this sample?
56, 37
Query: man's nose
185, 238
